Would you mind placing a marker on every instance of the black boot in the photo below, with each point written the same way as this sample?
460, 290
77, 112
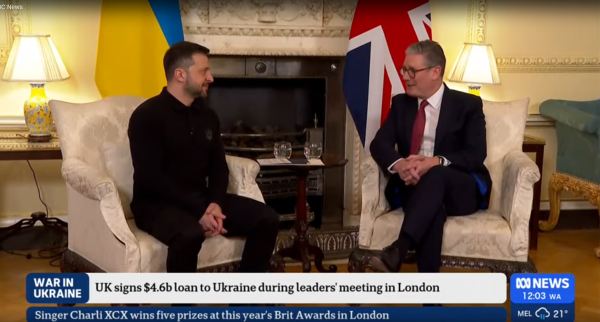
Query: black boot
388, 261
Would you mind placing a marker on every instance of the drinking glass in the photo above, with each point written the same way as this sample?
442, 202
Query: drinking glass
313, 150
282, 150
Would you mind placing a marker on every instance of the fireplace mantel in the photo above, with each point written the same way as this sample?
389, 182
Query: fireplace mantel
269, 27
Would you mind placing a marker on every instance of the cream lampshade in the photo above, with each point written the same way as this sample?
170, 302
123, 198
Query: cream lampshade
35, 60
475, 65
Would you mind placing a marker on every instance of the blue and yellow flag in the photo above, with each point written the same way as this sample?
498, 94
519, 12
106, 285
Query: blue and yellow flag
134, 36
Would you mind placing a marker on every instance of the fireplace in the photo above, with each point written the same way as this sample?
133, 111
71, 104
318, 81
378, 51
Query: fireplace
263, 100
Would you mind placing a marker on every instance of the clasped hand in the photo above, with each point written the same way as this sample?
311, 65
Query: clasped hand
212, 221
412, 168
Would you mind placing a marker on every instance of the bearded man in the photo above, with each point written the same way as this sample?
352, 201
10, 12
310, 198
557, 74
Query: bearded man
181, 175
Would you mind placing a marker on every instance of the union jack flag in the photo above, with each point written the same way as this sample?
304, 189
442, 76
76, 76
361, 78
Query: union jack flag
380, 33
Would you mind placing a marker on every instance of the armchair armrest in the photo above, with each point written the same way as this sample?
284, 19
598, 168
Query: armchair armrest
97, 185
519, 175
242, 178
566, 113
374, 203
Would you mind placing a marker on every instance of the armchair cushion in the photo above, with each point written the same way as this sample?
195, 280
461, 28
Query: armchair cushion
216, 250
484, 234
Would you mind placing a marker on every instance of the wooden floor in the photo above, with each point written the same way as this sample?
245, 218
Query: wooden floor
558, 252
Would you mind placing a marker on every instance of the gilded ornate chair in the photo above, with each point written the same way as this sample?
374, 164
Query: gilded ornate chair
578, 154
496, 239
98, 172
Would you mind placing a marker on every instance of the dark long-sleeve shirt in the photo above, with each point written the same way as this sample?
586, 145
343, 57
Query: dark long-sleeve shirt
177, 156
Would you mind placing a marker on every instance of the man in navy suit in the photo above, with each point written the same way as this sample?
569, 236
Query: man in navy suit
437, 169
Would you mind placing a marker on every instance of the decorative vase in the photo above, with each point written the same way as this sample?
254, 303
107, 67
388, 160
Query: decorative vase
37, 114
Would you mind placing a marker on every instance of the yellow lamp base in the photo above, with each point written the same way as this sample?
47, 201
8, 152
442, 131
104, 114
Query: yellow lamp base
37, 115
474, 89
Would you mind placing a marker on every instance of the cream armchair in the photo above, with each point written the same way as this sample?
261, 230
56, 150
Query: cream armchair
496, 239
99, 175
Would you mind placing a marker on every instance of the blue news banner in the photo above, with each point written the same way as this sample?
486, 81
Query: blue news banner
75, 289
542, 297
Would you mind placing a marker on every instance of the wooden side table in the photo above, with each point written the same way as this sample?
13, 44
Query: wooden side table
15, 147
535, 145
302, 250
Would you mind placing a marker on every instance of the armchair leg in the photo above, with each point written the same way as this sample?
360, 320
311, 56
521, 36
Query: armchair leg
555, 187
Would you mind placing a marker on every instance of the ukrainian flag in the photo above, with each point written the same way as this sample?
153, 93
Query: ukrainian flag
134, 36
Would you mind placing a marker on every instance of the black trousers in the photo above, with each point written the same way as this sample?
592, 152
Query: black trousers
182, 233
441, 192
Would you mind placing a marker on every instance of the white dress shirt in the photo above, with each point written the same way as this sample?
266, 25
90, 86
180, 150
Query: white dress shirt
432, 115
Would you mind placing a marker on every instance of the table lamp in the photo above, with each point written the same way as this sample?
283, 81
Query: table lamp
475, 65
34, 59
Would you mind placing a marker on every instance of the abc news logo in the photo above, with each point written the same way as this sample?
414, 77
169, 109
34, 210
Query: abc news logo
537, 283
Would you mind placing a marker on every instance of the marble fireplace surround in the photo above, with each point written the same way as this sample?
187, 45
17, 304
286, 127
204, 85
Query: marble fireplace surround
269, 27
279, 28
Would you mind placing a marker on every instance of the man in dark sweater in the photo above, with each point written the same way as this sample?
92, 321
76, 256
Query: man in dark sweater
181, 174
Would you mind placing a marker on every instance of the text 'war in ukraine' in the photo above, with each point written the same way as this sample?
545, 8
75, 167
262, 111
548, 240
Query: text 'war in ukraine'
58, 288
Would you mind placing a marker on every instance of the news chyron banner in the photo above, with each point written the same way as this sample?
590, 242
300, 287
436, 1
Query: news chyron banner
274, 288
542, 297
300, 290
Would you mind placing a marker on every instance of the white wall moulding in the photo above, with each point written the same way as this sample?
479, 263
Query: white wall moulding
12, 123
476, 25
476, 21
12, 22
538, 120
548, 64
269, 27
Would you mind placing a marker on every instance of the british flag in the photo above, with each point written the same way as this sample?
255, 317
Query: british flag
380, 33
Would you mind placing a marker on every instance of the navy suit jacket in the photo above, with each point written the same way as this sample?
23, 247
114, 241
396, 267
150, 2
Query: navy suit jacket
460, 137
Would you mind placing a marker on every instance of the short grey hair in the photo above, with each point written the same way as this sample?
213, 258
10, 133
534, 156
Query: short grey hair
433, 52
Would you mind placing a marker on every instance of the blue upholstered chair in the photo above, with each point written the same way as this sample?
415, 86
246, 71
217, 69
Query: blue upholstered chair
578, 157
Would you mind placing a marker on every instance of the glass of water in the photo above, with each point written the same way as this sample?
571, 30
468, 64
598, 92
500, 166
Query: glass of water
282, 150
313, 150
